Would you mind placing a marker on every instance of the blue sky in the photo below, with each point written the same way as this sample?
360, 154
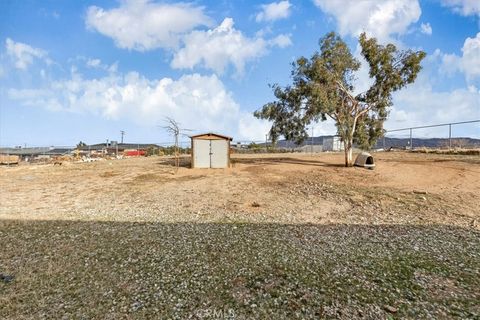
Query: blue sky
84, 70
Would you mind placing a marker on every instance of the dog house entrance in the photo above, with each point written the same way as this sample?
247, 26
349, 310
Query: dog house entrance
365, 160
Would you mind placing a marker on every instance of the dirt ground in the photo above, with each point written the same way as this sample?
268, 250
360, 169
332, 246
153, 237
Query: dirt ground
281, 236
404, 188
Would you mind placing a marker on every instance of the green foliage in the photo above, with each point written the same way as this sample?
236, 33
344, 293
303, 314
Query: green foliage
81, 144
323, 88
152, 151
253, 146
170, 151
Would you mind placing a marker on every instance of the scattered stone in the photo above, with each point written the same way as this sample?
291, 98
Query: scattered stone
6, 278
136, 306
420, 192
390, 309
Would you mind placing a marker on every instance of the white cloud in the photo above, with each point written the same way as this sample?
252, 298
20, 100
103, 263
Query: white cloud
426, 102
93, 63
468, 63
217, 48
380, 19
464, 7
423, 103
251, 128
23, 54
143, 25
419, 105
198, 102
471, 57
281, 41
274, 11
426, 28
97, 64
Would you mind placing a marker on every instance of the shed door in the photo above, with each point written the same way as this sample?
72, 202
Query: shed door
201, 153
219, 153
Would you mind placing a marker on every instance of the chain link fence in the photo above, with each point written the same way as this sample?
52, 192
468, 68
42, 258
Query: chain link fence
456, 135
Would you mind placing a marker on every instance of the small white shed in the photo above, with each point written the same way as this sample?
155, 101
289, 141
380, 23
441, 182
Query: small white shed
210, 150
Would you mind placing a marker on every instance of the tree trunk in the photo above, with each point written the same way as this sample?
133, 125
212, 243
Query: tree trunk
348, 152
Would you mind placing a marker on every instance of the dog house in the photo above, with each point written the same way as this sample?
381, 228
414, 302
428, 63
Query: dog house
210, 150
365, 160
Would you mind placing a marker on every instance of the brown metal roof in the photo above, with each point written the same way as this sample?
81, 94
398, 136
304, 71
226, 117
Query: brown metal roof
212, 134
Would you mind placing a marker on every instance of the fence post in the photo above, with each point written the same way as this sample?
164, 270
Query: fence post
411, 140
449, 136
312, 140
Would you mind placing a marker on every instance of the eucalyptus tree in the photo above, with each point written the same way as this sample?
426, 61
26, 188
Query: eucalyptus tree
323, 87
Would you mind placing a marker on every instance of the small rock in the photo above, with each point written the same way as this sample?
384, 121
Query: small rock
6, 278
255, 204
136, 306
390, 309
420, 192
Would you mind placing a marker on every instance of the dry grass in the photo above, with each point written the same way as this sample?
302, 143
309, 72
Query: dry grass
454, 151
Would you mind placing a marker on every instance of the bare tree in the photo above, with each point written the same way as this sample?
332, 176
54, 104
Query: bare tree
173, 128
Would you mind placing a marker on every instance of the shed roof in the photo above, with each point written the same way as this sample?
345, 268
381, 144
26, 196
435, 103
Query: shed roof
209, 134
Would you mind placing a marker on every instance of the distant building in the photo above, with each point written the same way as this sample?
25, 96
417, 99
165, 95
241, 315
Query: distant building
310, 148
332, 143
112, 148
36, 152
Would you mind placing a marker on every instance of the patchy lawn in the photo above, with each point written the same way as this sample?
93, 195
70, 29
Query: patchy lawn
112, 270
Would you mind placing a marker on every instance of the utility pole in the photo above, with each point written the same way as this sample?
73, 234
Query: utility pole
122, 133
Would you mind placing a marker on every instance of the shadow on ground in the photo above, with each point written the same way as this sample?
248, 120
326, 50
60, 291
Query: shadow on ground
289, 160
115, 270
184, 162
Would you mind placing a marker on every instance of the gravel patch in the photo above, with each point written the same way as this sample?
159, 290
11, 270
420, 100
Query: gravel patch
112, 270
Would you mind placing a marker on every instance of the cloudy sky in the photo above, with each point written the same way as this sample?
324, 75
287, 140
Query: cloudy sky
84, 70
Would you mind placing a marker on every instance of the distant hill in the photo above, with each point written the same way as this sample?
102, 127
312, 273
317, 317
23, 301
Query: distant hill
463, 142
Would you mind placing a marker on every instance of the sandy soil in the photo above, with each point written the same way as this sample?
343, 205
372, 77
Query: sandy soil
404, 188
